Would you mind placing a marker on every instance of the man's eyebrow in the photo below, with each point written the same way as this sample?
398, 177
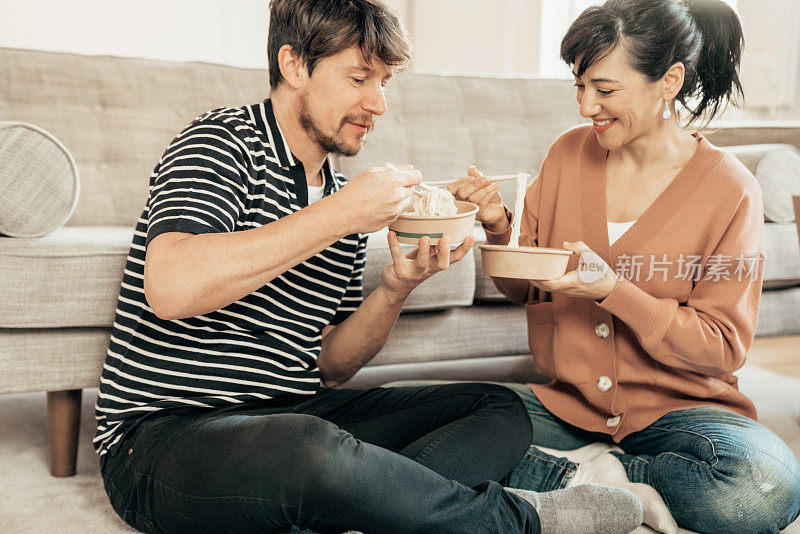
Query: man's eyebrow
368, 70
596, 80
360, 68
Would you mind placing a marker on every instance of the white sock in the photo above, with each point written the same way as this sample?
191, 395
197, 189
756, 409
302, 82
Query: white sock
586, 509
606, 469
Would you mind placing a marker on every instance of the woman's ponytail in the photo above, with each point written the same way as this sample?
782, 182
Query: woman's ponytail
717, 68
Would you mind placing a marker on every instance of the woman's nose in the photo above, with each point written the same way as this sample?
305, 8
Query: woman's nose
588, 106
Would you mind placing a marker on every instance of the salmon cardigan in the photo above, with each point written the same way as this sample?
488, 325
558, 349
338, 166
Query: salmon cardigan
681, 318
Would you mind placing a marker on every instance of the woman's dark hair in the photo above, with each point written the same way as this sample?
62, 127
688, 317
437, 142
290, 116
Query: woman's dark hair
316, 29
704, 35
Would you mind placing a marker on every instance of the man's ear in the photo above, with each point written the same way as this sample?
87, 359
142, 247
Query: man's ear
673, 80
293, 68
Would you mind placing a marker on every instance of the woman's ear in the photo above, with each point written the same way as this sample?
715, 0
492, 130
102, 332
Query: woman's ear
293, 68
673, 80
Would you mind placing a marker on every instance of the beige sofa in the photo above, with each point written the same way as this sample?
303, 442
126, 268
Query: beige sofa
58, 292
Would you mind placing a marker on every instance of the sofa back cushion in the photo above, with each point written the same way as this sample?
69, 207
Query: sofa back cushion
777, 169
116, 116
441, 124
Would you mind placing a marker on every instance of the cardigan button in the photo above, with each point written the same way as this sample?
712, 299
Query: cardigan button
602, 330
604, 383
613, 421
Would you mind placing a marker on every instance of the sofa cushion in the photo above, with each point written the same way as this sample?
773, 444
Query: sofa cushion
51, 360
777, 169
38, 181
778, 172
447, 289
442, 124
782, 253
474, 332
68, 278
485, 290
71, 278
777, 313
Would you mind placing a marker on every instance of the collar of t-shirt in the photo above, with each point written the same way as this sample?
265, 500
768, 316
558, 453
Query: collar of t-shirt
290, 162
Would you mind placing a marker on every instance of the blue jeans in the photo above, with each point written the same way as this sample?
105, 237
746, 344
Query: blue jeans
717, 471
385, 460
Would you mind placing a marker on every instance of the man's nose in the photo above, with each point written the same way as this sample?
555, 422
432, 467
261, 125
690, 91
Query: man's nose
375, 102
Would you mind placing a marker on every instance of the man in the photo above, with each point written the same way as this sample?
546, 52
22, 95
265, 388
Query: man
241, 308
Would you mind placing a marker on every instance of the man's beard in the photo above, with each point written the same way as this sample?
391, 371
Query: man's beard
331, 144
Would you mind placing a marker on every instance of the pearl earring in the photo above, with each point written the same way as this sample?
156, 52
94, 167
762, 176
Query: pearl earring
667, 113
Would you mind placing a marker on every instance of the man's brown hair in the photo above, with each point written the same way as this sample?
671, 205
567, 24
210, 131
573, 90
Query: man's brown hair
316, 29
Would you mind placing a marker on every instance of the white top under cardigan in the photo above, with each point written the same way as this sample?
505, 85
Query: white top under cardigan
616, 229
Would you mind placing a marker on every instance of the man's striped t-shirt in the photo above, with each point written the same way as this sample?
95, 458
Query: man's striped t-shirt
230, 170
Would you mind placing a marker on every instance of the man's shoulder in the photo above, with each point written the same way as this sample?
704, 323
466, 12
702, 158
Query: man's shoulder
236, 121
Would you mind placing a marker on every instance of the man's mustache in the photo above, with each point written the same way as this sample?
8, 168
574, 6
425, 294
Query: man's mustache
365, 120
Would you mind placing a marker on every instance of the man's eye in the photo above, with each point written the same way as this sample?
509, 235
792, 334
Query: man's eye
605, 92
578, 85
358, 81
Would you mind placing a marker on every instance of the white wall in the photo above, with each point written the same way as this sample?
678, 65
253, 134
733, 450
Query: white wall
500, 37
491, 37
218, 31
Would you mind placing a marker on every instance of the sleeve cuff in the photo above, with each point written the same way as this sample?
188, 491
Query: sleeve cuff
494, 238
644, 313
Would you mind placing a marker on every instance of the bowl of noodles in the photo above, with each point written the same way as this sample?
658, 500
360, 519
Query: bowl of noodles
526, 263
435, 214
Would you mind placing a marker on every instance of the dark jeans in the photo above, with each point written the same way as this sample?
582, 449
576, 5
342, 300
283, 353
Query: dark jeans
717, 471
414, 459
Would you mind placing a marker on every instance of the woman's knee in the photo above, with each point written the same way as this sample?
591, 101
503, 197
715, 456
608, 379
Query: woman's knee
756, 492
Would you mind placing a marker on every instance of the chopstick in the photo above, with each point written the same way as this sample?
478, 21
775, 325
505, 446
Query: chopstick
423, 186
445, 183
499, 178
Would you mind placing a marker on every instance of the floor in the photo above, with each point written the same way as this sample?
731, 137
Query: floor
777, 354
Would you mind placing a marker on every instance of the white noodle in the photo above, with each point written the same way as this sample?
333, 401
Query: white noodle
519, 206
435, 202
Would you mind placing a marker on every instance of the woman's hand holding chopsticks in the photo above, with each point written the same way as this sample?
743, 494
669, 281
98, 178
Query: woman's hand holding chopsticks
483, 191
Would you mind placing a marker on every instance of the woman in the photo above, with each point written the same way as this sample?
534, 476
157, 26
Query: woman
642, 359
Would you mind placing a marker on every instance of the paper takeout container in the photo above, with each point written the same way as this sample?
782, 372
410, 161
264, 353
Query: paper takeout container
410, 228
528, 263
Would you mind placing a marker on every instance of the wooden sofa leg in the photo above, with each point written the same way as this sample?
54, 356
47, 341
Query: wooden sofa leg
63, 422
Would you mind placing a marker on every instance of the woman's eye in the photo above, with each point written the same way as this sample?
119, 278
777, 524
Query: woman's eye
578, 85
357, 81
605, 92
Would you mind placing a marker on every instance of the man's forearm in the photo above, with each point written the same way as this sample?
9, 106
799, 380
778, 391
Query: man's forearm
205, 272
357, 340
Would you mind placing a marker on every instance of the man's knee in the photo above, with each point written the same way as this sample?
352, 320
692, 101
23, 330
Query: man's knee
509, 407
304, 449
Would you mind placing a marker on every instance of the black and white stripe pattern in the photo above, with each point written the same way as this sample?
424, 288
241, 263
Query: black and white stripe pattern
229, 170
